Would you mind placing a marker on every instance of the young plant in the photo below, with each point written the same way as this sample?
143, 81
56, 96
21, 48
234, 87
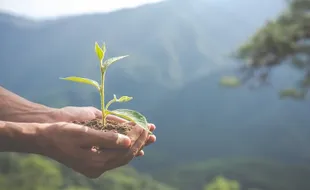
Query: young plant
127, 114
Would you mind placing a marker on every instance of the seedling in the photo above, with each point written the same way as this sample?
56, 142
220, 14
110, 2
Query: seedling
127, 114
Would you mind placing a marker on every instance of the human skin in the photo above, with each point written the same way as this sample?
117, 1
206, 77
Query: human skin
28, 127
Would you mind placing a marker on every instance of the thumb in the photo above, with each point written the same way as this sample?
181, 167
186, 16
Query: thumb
105, 139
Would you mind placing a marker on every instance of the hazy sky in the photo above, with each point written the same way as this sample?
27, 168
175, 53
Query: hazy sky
51, 8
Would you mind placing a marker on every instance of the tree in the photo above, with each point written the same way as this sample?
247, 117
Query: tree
284, 40
221, 183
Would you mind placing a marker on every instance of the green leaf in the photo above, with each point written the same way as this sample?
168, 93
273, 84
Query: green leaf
121, 99
83, 80
99, 52
133, 116
104, 49
112, 60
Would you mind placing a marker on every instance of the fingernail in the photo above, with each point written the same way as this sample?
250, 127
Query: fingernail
123, 140
141, 153
151, 125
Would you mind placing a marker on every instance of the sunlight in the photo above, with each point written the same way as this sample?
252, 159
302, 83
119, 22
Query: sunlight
40, 9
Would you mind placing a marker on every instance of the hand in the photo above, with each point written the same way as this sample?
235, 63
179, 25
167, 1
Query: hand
69, 114
152, 127
71, 144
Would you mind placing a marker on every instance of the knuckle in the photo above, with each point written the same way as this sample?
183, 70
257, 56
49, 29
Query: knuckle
92, 108
88, 115
134, 152
112, 137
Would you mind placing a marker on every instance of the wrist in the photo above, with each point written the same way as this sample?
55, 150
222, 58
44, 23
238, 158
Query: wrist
21, 137
17, 109
30, 114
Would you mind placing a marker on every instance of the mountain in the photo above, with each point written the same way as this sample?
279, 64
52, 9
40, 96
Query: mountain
170, 44
163, 40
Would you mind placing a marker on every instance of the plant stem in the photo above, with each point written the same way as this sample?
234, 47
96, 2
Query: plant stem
102, 98
102, 72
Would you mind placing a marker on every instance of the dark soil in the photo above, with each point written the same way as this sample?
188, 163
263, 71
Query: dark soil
111, 125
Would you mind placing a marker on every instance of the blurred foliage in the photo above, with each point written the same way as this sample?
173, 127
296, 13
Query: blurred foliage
250, 174
221, 183
292, 92
29, 173
279, 38
282, 40
230, 81
33, 172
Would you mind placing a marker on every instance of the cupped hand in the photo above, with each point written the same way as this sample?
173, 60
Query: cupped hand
70, 113
71, 145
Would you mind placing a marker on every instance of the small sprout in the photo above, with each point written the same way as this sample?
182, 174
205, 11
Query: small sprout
100, 52
230, 81
127, 114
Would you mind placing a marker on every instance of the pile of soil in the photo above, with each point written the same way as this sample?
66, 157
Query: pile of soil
111, 125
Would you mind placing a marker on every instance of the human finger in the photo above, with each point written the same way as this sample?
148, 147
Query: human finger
141, 153
105, 139
152, 127
138, 145
131, 153
152, 139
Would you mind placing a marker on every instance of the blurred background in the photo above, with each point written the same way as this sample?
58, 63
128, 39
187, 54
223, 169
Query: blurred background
225, 82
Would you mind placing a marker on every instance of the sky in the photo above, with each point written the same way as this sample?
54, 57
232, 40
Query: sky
43, 9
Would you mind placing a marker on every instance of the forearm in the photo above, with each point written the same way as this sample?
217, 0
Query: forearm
17, 109
20, 137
